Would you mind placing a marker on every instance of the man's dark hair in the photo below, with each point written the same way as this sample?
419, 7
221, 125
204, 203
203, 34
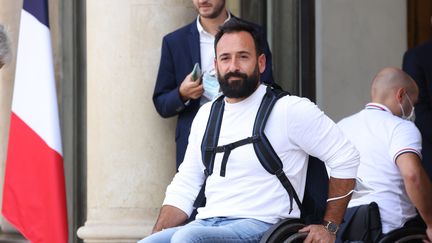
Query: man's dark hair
236, 25
4, 46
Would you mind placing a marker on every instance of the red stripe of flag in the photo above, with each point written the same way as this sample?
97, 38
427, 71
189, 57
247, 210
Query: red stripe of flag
34, 190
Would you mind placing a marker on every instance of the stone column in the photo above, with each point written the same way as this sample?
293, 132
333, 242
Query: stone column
130, 149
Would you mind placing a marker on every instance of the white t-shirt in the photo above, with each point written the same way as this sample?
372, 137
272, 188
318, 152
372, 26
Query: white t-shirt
295, 128
380, 138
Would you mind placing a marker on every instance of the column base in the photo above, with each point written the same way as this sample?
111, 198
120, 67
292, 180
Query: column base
13, 238
119, 232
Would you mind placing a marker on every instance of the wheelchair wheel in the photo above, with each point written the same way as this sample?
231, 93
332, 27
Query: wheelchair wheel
282, 230
403, 235
297, 238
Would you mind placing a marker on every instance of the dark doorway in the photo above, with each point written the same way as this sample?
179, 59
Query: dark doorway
290, 27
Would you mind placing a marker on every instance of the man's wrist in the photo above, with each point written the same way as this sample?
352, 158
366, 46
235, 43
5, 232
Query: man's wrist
330, 226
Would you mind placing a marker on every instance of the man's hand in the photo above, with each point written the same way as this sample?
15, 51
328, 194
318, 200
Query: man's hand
429, 235
190, 89
318, 233
169, 216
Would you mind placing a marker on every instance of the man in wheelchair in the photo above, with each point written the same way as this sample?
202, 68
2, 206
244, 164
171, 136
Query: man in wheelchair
245, 195
390, 157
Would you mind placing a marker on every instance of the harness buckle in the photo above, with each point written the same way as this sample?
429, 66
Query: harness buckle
279, 172
228, 147
255, 138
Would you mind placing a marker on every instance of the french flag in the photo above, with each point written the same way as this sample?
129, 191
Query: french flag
34, 197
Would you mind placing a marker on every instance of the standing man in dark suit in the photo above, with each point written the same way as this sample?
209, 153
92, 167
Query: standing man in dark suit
176, 93
417, 62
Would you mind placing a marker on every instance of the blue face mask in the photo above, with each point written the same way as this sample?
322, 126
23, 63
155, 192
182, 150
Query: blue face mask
211, 85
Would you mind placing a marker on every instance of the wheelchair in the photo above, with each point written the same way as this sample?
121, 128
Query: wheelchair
285, 231
364, 226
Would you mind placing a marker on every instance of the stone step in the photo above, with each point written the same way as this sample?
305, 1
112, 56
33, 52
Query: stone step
12, 238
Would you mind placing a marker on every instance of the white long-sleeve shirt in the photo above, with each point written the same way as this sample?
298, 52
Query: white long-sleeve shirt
295, 128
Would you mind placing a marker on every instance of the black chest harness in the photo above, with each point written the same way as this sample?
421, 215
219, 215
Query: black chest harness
263, 149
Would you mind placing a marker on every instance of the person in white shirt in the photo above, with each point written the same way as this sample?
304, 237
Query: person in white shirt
4, 47
247, 200
390, 152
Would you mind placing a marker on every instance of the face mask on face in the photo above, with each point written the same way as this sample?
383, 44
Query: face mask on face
411, 116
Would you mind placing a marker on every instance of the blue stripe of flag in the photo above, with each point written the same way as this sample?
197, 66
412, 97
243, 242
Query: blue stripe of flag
39, 9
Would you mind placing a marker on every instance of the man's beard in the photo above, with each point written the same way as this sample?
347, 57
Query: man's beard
242, 87
216, 12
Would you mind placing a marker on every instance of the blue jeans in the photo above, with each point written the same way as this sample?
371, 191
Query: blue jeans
212, 230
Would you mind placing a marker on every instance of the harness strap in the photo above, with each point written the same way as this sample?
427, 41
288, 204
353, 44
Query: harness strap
210, 139
211, 135
264, 150
226, 149
280, 174
201, 199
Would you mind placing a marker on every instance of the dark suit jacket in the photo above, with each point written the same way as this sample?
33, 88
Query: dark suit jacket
180, 51
417, 62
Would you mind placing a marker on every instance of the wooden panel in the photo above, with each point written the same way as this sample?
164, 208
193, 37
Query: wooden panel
419, 21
